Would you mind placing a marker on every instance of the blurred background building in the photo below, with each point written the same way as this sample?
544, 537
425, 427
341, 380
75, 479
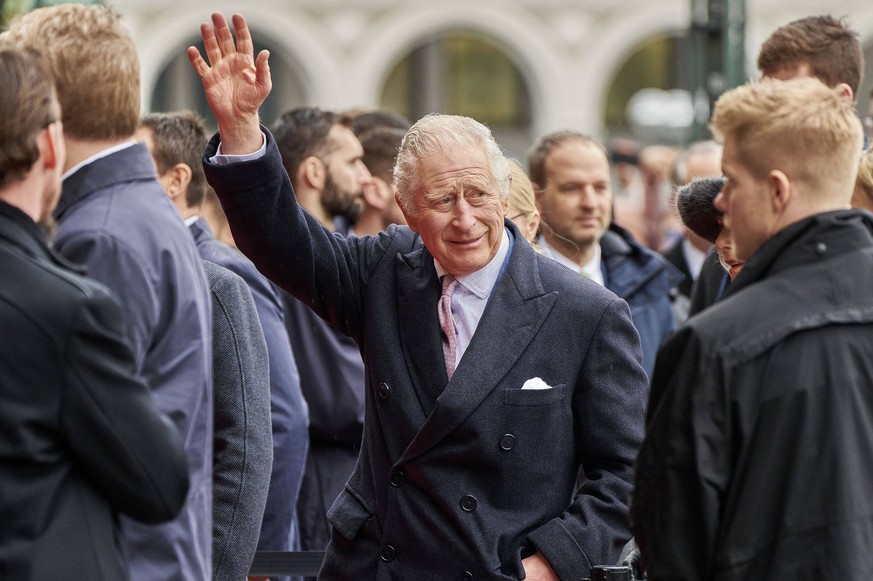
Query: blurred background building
638, 69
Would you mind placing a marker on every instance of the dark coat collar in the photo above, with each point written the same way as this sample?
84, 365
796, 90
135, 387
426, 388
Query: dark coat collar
806, 241
631, 268
19, 229
132, 163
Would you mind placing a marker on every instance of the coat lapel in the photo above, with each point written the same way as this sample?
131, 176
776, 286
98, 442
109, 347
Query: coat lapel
514, 315
418, 292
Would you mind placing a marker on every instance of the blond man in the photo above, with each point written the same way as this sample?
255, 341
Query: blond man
114, 218
756, 463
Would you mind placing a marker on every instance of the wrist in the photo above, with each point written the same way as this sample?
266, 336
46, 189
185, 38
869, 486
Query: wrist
241, 136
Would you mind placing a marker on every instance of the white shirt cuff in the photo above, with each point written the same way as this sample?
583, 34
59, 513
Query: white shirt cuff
222, 159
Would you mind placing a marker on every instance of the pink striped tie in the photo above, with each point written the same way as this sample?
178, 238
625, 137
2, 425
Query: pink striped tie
447, 322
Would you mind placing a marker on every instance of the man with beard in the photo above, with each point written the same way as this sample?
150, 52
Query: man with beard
323, 158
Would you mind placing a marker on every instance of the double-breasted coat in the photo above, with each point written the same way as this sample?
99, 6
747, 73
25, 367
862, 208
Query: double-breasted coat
460, 478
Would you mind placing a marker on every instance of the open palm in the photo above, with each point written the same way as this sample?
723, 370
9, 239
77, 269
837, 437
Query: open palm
234, 82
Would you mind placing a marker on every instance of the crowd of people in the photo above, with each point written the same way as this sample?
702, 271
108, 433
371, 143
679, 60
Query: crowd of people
389, 341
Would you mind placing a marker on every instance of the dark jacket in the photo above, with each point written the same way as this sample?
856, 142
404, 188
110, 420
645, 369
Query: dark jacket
288, 408
643, 278
711, 284
758, 459
243, 445
473, 474
114, 218
80, 437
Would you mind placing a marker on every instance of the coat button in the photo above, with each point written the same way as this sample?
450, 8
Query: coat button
384, 390
507, 442
821, 248
465, 576
468, 503
398, 478
388, 553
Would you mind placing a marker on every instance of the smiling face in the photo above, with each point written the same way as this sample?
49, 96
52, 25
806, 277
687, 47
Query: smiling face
576, 200
459, 212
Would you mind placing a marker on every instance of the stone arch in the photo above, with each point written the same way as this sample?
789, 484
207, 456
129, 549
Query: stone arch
390, 39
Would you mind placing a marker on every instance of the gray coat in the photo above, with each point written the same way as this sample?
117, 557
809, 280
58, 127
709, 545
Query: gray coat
114, 218
243, 445
465, 477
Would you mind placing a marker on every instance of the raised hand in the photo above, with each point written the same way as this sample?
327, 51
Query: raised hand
235, 83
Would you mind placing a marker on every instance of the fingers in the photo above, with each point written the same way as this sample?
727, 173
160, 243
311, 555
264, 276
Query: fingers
200, 65
210, 44
244, 43
222, 34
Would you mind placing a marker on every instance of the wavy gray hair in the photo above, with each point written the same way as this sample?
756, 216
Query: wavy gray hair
438, 133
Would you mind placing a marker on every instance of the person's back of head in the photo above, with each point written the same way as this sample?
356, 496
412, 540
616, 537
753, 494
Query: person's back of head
304, 132
94, 63
381, 145
366, 121
27, 105
801, 128
437, 134
179, 138
826, 45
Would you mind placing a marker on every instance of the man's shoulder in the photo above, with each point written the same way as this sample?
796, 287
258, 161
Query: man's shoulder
62, 292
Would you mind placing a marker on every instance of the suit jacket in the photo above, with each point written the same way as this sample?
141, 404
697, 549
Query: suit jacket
287, 406
80, 437
711, 285
463, 477
242, 444
114, 217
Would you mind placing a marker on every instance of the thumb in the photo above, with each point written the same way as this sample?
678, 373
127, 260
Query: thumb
262, 70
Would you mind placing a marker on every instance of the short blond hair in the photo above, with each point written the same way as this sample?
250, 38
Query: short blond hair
800, 127
865, 174
94, 63
521, 193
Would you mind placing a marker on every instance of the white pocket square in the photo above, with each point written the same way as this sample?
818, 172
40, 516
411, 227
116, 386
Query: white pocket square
535, 383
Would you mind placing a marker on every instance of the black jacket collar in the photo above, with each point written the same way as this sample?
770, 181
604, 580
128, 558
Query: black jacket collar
19, 229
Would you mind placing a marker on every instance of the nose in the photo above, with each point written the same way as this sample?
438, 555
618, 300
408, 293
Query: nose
464, 218
364, 176
718, 202
587, 195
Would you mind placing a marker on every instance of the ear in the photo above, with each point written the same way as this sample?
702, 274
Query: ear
781, 193
376, 194
313, 173
845, 91
176, 179
504, 203
51, 145
411, 220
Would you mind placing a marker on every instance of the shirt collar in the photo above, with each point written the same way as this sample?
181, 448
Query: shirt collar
591, 269
98, 155
482, 281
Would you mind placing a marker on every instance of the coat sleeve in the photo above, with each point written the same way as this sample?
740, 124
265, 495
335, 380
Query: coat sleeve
322, 269
129, 450
609, 408
683, 465
243, 447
